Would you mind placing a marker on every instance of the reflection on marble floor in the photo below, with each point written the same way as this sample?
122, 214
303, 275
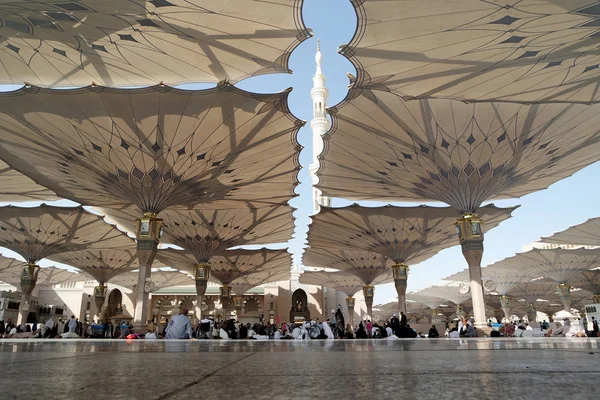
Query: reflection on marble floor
420, 369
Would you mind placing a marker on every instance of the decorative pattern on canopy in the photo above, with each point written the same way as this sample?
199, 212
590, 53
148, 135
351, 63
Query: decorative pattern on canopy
142, 43
588, 280
161, 279
383, 312
345, 282
549, 308
504, 277
7, 263
587, 234
382, 147
560, 265
449, 292
369, 267
40, 232
204, 233
244, 283
403, 234
430, 301
154, 147
47, 276
102, 265
531, 292
513, 50
16, 187
232, 264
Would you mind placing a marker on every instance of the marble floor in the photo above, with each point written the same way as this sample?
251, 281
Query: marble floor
373, 369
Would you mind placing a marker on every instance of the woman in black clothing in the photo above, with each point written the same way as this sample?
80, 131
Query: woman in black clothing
361, 333
433, 332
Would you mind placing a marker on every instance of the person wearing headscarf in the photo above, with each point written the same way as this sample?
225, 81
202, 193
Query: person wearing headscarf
327, 331
361, 333
509, 330
339, 323
223, 332
433, 332
395, 324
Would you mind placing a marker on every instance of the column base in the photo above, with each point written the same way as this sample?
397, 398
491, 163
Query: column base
484, 331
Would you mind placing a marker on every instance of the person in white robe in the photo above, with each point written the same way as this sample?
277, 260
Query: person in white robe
327, 331
49, 325
72, 324
223, 334
296, 332
576, 331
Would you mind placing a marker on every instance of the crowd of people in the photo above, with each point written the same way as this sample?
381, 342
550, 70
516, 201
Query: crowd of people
64, 328
548, 329
69, 328
180, 327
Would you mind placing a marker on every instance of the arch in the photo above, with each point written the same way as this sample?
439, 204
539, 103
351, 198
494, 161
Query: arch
187, 302
299, 311
299, 301
115, 303
251, 305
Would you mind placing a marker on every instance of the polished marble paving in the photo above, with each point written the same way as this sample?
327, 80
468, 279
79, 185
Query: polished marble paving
406, 369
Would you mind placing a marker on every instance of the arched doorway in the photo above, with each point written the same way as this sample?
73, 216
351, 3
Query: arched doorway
299, 311
115, 303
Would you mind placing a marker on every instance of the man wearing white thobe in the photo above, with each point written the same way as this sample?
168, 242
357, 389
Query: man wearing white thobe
72, 324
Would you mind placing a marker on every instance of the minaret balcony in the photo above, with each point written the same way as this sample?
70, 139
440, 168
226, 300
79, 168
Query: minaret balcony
319, 90
319, 121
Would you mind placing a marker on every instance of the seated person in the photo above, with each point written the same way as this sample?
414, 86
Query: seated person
407, 332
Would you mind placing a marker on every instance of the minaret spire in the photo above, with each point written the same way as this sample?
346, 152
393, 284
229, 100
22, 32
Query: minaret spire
319, 124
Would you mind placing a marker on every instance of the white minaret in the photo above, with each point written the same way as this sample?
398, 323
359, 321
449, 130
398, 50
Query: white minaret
319, 125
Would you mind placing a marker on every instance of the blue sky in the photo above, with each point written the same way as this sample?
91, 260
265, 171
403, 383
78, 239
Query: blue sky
566, 203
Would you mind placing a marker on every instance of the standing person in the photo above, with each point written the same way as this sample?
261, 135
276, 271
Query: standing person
1, 328
394, 324
340, 326
244, 331
403, 320
72, 325
49, 327
180, 326
59, 327
230, 328
110, 330
84, 328
595, 327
